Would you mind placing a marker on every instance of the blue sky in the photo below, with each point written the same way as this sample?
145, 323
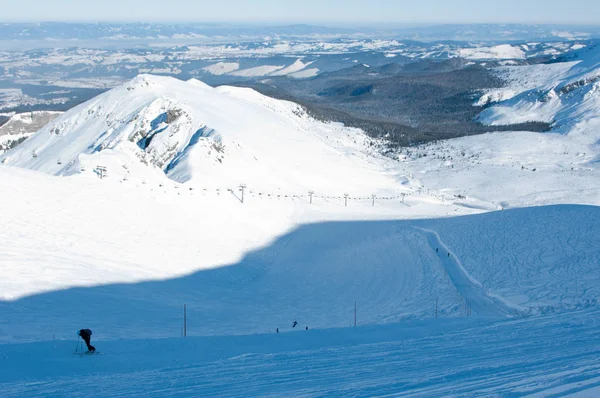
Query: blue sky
310, 11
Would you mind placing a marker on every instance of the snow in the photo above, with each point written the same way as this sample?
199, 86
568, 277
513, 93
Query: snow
296, 67
565, 94
222, 68
503, 51
521, 79
203, 145
7, 141
125, 243
297, 70
541, 356
305, 74
96, 83
570, 35
555, 269
263, 70
22, 123
481, 280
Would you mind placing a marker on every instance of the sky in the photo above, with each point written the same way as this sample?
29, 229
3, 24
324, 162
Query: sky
305, 11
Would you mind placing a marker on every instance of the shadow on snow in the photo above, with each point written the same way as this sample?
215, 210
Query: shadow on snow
312, 275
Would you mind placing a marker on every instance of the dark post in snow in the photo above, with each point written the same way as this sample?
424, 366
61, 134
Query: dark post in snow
310, 194
373, 196
242, 187
468, 308
184, 321
346, 199
403, 195
101, 170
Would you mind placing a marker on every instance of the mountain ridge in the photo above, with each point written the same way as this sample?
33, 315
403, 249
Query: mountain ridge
192, 132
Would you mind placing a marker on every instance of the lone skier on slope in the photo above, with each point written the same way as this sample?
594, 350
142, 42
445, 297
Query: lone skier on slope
294, 324
86, 335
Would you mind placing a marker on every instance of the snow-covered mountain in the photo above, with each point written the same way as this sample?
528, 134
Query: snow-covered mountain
566, 94
21, 126
489, 261
209, 137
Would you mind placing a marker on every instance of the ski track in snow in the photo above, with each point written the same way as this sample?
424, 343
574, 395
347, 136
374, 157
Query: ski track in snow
477, 299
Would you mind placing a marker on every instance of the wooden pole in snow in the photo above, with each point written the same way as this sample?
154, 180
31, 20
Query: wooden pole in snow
242, 187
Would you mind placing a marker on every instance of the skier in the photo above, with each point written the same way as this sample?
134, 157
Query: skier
436, 250
294, 324
307, 328
86, 335
277, 330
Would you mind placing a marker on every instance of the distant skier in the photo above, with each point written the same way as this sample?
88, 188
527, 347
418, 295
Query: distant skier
448, 254
294, 324
86, 335
307, 328
437, 249
277, 330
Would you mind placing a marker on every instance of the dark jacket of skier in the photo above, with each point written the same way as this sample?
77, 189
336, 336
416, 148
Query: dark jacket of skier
86, 335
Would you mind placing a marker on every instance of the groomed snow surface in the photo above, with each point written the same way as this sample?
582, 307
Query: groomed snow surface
474, 269
516, 293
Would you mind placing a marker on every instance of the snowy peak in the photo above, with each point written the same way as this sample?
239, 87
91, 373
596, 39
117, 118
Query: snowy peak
565, 94
191, 132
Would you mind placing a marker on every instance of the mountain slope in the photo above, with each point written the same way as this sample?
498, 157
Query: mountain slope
206, 136
473, 297
22, 125
566, 94
126, 256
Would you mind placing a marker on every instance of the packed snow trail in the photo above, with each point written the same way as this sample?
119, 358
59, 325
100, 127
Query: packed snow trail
540, 259
533, 356
474, 294
121, 258
313, 274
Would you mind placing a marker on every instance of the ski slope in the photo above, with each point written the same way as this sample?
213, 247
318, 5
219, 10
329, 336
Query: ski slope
481, 280
120, 253
553, 355
121, 257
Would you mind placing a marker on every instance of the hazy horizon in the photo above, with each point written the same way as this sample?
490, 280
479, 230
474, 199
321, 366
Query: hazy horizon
274, 23
332, 12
